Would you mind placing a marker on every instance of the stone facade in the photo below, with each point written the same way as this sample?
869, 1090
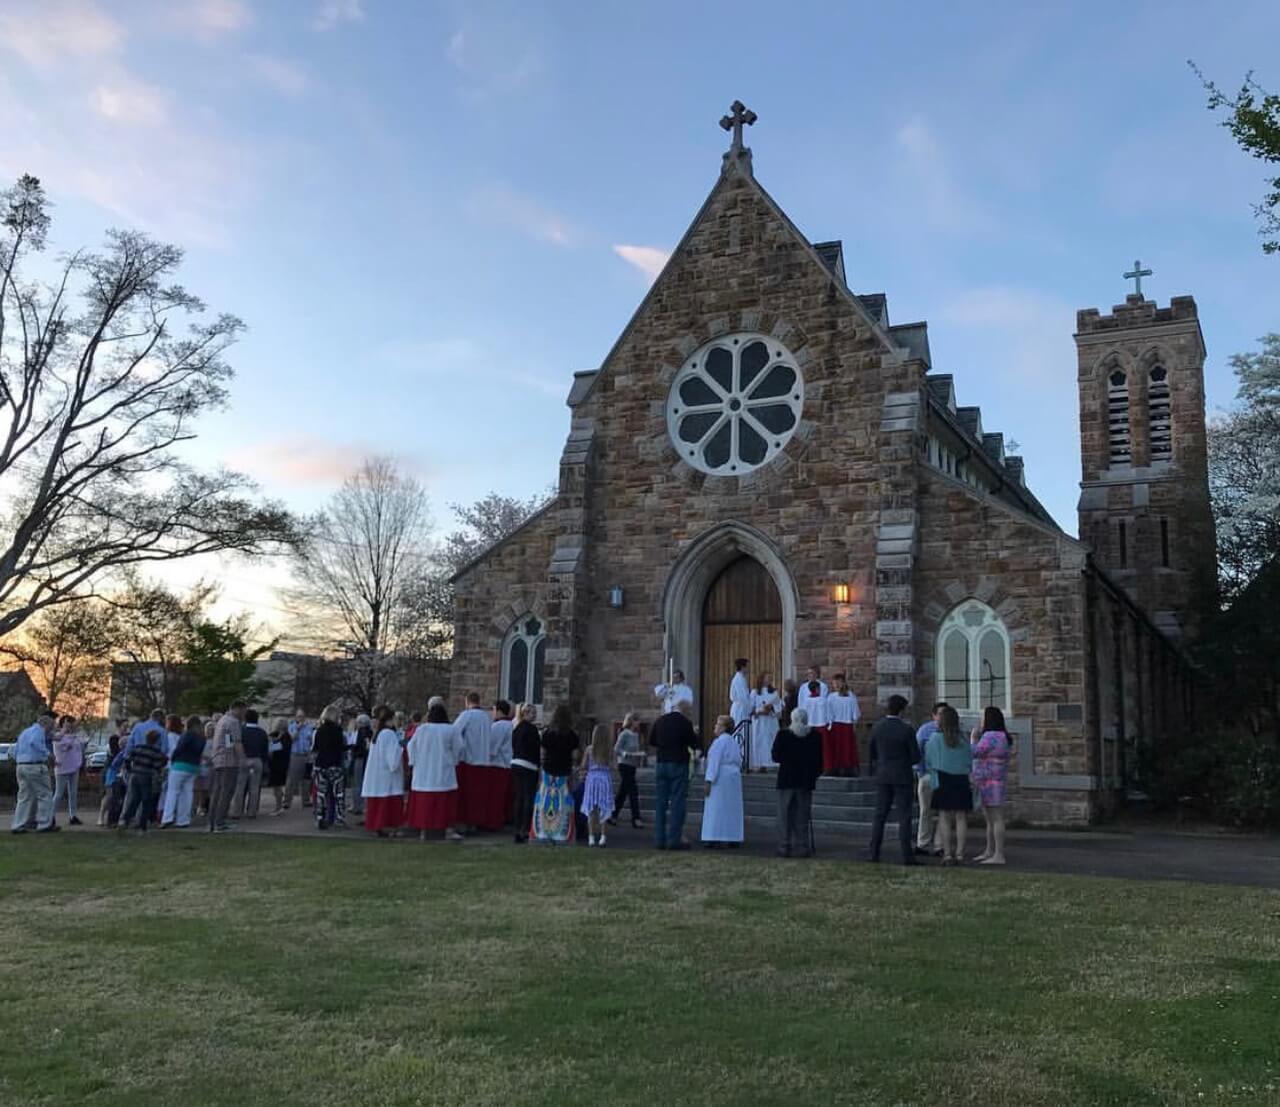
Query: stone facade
867, 495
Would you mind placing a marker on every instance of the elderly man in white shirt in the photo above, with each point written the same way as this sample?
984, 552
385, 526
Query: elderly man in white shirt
35, 794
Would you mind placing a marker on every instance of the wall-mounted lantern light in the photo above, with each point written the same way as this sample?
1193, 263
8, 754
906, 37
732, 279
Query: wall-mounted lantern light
841, 593
616, 596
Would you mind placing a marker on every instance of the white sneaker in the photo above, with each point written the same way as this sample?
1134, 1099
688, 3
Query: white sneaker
592, 840
601, 841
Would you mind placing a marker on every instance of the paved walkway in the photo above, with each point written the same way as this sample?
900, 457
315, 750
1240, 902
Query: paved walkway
1252, 860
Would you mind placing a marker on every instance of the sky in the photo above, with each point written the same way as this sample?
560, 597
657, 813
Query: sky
431, 214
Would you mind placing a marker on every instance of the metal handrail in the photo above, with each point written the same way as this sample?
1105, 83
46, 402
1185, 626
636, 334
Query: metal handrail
742, 735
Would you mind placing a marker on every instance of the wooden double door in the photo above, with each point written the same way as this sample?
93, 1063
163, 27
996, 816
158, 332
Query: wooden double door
741, 617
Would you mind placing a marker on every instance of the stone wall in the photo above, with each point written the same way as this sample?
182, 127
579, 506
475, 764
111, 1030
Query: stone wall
1033, 577
510, 580
818, 503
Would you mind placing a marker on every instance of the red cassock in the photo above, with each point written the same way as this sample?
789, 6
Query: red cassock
486, 795
840, 747
433, 810
383, 812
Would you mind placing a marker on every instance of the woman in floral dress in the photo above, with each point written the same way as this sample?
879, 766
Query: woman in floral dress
991, 747
553, 807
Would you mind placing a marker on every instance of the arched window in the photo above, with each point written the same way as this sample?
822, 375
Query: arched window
524, 653
974, 669
1118, 417
1159, 414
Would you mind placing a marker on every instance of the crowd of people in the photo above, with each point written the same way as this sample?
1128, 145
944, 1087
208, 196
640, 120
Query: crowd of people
492, 767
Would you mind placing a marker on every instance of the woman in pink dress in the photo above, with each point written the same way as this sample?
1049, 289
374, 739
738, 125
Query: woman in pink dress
990, 743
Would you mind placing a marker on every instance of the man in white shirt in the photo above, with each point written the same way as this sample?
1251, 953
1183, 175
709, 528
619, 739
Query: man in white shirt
475, 727
740, 692
676, 692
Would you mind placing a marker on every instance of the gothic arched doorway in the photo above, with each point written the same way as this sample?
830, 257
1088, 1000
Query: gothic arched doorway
741, 617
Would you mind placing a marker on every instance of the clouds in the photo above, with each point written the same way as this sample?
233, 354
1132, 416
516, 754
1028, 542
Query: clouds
1026, 329
211, 19
46, 33
650, 260
929, 187
495, 57
281, 74
458, 358
130, 102
507, 206
334, 13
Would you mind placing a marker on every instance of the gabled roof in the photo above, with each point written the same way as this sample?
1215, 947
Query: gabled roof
740, 169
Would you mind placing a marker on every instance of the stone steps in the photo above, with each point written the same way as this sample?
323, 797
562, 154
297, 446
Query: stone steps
841, 805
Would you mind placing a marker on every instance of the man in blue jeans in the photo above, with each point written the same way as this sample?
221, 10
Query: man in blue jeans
672, 737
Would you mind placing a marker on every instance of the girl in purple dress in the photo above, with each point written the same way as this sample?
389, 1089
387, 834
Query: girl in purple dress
991, 746
597, 795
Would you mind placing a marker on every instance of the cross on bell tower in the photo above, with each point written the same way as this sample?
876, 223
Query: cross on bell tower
739, 116
1136, 276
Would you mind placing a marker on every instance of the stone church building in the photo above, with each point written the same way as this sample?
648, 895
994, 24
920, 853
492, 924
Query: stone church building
764, 465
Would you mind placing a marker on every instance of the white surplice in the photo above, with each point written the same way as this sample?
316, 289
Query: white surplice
739, 698
500, 743
842, 709
672, 695
474, 725
722, 813
383, 767
816, 706
434, 752
766, 706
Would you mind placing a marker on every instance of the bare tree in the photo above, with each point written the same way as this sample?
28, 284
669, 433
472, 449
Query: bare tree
103, 373
353, 568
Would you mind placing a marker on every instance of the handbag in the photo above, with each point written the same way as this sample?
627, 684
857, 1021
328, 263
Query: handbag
975, 794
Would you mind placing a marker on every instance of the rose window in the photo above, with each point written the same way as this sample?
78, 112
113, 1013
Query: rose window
735, 403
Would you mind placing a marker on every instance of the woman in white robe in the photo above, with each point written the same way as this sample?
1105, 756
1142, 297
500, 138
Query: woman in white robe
383, 786
766, 706
722, 812
434, 752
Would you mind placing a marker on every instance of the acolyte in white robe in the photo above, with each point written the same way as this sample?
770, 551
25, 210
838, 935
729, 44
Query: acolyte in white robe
739, 698
673, 694
500, 743
766, 706
722, 813
474, 725
816, 706
842, 709
434, 752
383, 768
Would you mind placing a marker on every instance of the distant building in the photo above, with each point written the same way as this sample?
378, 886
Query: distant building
20, 703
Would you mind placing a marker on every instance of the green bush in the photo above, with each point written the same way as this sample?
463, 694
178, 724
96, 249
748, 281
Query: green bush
1233, 779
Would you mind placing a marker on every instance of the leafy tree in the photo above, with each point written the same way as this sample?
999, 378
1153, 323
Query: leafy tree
67, 651
1244, 470
221, 667
1253, 118
104, 373
152, 630
483, 524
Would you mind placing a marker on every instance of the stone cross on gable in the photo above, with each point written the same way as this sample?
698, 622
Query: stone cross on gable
1136, 276
739, 115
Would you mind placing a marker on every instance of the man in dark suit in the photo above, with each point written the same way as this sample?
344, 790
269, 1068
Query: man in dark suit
894, 753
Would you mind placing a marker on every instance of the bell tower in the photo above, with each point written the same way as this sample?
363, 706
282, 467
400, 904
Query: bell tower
1144, 488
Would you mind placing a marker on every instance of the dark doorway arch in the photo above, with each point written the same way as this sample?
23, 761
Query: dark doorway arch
742, 616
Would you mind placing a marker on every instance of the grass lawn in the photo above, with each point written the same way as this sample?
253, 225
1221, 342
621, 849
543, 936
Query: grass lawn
258, 970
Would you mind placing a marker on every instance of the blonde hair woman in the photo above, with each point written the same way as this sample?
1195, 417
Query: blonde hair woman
597, 795
627, 755
526, 757
329, 772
